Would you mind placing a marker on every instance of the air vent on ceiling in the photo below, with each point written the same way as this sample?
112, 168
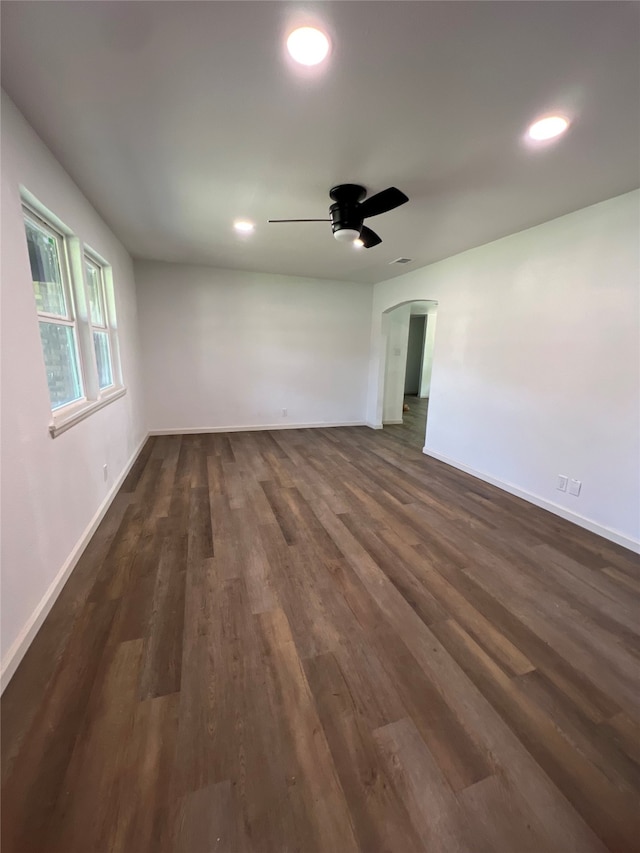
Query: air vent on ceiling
401, 261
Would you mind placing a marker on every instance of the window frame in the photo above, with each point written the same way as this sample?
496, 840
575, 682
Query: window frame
108, 327
69, 319
73, 256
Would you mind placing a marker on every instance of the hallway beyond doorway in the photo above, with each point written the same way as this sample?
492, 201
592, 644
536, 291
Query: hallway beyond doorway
414, 422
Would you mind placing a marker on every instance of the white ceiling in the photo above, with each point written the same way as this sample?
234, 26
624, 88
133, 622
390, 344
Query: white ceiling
177, 117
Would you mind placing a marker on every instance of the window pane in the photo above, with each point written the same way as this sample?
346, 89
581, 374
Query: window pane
61, 361
103, 359
95, 295
45, 270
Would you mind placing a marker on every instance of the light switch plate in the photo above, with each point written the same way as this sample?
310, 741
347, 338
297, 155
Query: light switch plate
574, 487
562, 482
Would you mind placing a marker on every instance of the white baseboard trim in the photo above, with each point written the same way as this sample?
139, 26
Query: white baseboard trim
33, 624
373, 426
256, 428
392, 423
606, 532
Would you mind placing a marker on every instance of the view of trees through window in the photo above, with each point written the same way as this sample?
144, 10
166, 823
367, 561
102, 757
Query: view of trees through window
66, 337
57, 327
97, 313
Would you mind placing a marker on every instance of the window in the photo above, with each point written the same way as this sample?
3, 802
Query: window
58, 331
99, 324
74, 300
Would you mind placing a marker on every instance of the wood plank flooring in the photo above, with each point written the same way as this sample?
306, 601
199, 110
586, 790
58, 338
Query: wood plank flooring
322, 640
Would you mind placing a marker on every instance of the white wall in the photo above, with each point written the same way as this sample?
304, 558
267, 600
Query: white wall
225, 349
537, 363
51, 488
396, 332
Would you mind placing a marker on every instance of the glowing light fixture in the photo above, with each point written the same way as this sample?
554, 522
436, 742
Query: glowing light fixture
358, 243
548, 128
242, 226
308, 46
346, 235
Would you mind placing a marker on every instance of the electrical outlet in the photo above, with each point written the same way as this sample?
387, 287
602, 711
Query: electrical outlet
562, 482
574, 487
284, 413
105, 473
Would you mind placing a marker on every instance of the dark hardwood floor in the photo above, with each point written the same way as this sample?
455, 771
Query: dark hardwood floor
325, 641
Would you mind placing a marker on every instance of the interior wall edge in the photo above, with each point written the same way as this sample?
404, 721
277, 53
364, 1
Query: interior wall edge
20, 645
543, 503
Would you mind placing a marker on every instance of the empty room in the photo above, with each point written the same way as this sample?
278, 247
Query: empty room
320, 447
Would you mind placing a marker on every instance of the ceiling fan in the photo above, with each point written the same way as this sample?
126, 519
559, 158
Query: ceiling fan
350, 209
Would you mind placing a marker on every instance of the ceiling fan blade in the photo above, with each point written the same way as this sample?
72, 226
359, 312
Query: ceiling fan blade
298, 220
369, 238
382, 202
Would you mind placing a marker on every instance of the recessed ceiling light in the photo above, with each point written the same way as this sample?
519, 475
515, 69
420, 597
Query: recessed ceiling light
243, 226
308, 46
548, 128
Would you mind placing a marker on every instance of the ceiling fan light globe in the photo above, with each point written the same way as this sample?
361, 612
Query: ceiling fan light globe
346, 235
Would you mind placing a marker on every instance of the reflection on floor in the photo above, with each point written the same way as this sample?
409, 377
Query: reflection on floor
414, 423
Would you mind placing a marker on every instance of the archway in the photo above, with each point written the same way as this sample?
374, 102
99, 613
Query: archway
401, 376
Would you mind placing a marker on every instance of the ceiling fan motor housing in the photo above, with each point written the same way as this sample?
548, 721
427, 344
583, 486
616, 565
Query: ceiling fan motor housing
346, 220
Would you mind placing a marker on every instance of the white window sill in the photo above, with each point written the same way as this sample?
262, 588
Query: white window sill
74, 414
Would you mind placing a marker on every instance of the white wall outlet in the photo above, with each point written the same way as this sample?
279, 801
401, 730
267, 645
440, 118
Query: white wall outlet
284, 413
105, 472
574, 487
562, 482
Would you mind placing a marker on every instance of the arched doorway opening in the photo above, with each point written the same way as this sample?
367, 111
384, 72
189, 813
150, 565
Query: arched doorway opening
406, 364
